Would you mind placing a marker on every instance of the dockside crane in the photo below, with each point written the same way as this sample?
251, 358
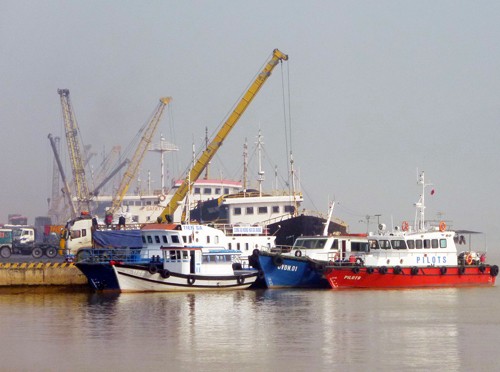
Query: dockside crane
216, 143
75, 155
66, 190
138, 156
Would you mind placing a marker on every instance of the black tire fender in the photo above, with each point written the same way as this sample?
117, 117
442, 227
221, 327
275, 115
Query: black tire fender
277, 261
152, 268
298, 253
165, 274
191, 280
494, 270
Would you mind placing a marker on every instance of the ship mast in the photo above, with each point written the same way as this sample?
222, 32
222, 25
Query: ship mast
245, 165
420, 205
261, 172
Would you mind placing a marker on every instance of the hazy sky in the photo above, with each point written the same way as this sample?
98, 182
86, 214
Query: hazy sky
377, 89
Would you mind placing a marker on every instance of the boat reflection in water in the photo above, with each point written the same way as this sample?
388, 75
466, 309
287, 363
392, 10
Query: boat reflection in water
427, 329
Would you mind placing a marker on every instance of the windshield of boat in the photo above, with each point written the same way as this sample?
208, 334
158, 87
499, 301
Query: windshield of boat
317, 243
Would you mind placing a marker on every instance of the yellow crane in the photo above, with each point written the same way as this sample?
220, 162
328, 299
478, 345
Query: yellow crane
75, 155
134, 164
216, 143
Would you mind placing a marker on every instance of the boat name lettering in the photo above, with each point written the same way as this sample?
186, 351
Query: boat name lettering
431, 260
288, 268
192, 227
352, 277
247, 230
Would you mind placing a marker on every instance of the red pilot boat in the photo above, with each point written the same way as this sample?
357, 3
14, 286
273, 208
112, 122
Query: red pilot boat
413, 257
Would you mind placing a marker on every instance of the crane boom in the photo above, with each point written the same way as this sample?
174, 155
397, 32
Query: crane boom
67, 193
136, 161
75, 155
216, 143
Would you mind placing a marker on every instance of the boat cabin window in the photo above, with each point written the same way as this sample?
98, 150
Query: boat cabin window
427, 243
373, 244
434, 243
184, 239
276, 209
262, 210
310, 243
247, 246
175, 239
289, 208
165, 239
214, 258
418, 244
442, 243
207, 191
150, 239
359, 247
226, 190
237, 211
411, 244
157, 239
384, 244
197, 190
335, 244
217, 190
176, 255
249, 210
229, 245
398, 244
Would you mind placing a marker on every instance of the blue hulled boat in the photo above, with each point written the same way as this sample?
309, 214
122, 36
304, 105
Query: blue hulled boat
302, 265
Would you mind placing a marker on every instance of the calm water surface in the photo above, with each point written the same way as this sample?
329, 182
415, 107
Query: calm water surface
265, 330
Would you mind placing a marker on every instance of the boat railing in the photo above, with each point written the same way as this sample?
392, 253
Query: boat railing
281, 249
104, 255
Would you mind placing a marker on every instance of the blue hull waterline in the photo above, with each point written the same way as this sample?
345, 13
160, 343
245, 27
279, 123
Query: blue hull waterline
290, 272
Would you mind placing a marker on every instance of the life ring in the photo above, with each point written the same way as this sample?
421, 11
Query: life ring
164, 274
153, 269
468, 259
277, 261
355, 269
241, 280
397, 270
443, 270
405, 226
298, 253
442, 226
494, 270
414, 270
191, 280
162, 198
